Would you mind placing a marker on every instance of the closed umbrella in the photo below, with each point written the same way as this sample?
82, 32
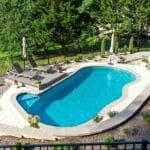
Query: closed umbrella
111, 50
24, 52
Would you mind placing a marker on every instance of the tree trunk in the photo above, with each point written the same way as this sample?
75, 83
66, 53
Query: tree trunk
64, 49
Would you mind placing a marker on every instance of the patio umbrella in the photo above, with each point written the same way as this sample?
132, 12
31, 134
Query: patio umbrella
111, 50
24, 52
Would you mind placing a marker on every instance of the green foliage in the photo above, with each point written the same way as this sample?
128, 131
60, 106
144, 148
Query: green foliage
98, 119
131, 44
90, 56
109, 139
145, 59
102, 53
17, 146
125, 49
78, 58
116, 45
62, 148
129, 131
59, 25
112, 113
66, 61
146, 118
33, 121
38, 82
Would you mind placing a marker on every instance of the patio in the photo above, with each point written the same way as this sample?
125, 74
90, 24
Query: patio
46, 79
17, 125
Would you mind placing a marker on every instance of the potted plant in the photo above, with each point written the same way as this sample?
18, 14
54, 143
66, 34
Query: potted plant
33, 121
58, 68
15, 82
98, 119
121, 59
38, 83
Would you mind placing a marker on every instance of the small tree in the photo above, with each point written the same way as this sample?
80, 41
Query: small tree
102, 53
131, 44
33, 121
125, 49
116, 45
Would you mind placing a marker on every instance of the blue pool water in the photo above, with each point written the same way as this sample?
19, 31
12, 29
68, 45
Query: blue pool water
79, 98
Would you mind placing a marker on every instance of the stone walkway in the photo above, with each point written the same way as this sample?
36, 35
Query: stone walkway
14, 122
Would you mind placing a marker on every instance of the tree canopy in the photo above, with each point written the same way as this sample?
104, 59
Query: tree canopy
66, 22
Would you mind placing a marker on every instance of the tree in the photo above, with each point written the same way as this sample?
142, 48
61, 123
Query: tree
131, 44
137, 18
102, 53
109, 17
16, 22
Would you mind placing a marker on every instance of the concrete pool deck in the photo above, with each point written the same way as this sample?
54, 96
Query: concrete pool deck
14, 122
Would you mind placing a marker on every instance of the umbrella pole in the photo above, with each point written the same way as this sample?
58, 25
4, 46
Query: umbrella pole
48, 60
24, 63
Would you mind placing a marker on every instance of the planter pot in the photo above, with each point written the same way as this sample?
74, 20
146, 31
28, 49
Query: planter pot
38, 86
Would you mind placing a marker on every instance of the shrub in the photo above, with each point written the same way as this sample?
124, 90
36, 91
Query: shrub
116, 46
18, 144
129, 131
98, 119
78, 58
102, 53
90, 56
145, 59
112, 113
38, 83
125, 48
33, 121
66, 61
131, 44
146, 118
109, 139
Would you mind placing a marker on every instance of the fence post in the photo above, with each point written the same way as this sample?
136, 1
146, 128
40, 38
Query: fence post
144, 145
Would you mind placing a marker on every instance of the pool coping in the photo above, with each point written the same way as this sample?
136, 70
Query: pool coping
50, 132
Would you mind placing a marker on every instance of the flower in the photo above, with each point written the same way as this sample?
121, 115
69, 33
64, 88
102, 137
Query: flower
15, 82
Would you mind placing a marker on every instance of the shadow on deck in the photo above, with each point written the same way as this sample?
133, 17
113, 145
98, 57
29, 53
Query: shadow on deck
47, 79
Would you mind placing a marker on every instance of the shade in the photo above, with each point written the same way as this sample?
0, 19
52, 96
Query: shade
24, 52
111, 50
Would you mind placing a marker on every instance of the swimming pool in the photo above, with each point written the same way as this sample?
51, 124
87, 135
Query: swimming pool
79, 98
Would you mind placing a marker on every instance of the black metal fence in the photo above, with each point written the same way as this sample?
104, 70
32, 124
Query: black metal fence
125, 145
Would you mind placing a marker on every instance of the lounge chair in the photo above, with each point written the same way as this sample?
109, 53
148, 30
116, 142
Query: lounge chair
36, 67
28, 74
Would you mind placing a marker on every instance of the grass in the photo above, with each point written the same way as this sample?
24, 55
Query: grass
89, 50
146, 118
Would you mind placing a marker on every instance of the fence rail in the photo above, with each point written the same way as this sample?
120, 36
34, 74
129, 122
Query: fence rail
125, 145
